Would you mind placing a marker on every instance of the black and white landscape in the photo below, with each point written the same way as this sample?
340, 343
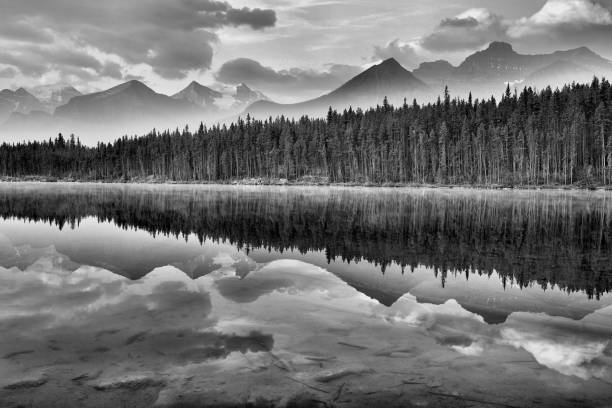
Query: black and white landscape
290, 203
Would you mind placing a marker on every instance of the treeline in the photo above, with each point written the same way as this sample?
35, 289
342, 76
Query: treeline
560, 136
527, 238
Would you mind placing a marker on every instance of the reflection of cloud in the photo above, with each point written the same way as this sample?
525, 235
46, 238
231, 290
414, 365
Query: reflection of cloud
566, 358
249, 289
474, 349
407, 310
63, 292
166, 320
567, 346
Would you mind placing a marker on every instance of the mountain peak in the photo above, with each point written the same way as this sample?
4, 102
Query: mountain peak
199, 95
580, 52
136, 83
132, 86
21, 91
389, 62
197, 86
500, 46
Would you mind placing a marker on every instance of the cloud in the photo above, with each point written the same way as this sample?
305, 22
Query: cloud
565, 24
564, 15
558, 24
112, 70
469, 30
257, 18
405, 53
8, 72
37, 60
251, 72
25, 31
172, 37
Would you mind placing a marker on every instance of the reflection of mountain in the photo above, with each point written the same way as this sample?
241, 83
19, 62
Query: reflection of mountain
529, 239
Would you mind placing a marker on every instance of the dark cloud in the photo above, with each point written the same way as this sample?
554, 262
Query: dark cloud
256, 18
467, 31
35, 60
8, 72
173, 37
295, 79
112, 70
459, 22
23, 31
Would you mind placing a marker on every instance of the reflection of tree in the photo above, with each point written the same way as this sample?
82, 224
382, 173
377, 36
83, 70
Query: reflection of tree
529, 239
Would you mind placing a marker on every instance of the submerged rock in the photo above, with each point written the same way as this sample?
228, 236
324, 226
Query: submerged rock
131, 382
332, 375
27, 383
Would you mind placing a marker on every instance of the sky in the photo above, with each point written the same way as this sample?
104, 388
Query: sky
289, 49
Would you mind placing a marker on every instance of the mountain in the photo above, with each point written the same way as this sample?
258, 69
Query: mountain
487, 71
199, 95
245, 96
55, 95
20, 101
129, 108
434, 71
560, 72
130, 101
387, 79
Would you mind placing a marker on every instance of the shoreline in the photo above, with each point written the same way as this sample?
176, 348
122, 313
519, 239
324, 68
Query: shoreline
313, 183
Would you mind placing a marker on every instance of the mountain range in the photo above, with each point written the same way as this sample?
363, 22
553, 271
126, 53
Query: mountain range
133, 107
387, 79
500, 64
128, 108
483, 73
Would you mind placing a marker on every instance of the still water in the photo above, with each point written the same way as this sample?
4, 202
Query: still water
117, 295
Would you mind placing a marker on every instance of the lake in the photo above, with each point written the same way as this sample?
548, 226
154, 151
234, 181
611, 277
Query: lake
186, 296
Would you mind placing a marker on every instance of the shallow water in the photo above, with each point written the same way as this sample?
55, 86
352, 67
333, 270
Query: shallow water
114, 295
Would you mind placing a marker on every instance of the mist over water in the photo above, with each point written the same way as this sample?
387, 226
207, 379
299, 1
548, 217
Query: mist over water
546, 239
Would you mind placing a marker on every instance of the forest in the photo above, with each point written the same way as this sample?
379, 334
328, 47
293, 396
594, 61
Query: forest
547, 137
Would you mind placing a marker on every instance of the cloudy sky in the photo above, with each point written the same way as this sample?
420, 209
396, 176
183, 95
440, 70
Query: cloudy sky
289, 49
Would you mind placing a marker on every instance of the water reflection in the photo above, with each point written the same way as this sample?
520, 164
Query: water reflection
562, 239
107, 314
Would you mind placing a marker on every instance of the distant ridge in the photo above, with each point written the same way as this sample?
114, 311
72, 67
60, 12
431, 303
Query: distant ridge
199, 95
486, 71
127, 101
19, 101
387, 79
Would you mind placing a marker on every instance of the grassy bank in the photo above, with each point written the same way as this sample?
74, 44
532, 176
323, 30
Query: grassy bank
310, 181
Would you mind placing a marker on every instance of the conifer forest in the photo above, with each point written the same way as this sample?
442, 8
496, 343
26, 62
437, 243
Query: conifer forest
561, 136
